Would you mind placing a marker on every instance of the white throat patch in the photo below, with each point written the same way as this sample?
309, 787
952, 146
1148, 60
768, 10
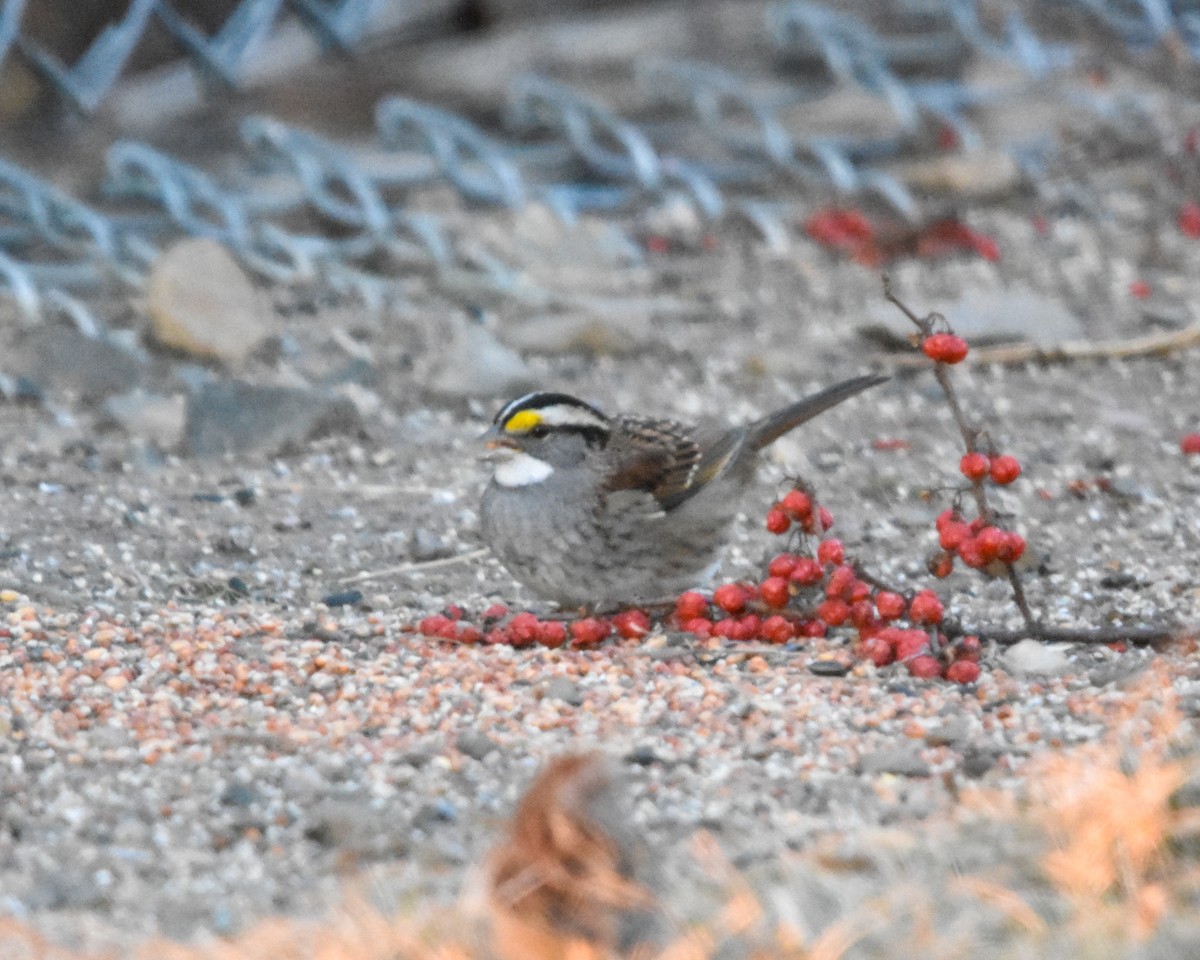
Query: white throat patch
522, 470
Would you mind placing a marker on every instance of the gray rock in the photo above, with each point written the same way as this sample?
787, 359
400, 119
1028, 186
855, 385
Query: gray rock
1035, 658
903, 761
235, 417
58, 359
566, 690
471, 362
475, 745
202, 303
149, 416
428, 545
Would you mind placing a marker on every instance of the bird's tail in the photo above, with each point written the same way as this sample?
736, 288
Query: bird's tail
773, 426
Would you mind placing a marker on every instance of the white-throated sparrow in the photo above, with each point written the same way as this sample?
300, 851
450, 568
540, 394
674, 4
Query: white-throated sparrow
589, 509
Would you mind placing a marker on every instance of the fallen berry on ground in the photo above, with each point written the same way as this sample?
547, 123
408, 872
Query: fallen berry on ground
925, 667
731, 597
631, 624
963, 671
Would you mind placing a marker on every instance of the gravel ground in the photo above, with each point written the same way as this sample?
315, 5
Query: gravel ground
195, 737
183, 756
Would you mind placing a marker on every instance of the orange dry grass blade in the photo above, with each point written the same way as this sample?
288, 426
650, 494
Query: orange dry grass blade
561, 885
1110, 827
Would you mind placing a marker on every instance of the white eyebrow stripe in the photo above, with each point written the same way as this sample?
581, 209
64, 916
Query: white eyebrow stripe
567, 415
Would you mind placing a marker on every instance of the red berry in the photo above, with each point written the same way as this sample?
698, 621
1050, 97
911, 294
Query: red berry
826, 519
953, 534
925, 608
878, 651
702, 627
974, 466
910, 643
946, 517
468, 634
1014, 547
1004, 469
726, 628
967, 648
436, 625
777, 629
841, 582
730, 597
807, 572
945, 347
831, 552
496, 611
940, 564
1190, 444
925, 667
589, 631
778, 521
890, 605
833, 611
552, 633
775, 592
991, 541
782, 565
811, 628
523, 630
748, 627
632, 624
858, 591
690, 605
862, 614
1189, 220
454, 611
797, 504
970, 554
1139, 289
963, 671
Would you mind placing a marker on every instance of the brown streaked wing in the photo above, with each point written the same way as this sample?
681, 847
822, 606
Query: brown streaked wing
658, 456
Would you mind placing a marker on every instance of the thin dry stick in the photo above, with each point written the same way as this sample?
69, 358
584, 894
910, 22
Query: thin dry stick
969, 435
417, 567
1136, 635
1155, 344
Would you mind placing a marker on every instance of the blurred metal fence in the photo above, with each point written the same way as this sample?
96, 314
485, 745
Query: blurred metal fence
304, 209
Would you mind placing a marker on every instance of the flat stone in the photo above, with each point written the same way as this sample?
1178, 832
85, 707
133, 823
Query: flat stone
149, 416
566, 690
59, 359
235, 417
475, 745
901, 761
471, 362
1035, 658
202, 303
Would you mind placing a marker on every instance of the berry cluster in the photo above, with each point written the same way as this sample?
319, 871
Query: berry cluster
528, 630
806, 593
976, 543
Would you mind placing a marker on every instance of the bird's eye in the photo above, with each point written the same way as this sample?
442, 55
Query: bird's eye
538, 432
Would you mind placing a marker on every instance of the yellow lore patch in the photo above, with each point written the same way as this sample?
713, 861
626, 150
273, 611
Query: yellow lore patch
523, 421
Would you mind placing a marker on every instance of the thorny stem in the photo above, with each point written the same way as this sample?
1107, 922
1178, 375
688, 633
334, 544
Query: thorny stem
970, 436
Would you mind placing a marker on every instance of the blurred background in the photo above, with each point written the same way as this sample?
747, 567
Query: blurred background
373, 202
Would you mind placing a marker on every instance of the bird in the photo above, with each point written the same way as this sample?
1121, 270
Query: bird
589, 510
